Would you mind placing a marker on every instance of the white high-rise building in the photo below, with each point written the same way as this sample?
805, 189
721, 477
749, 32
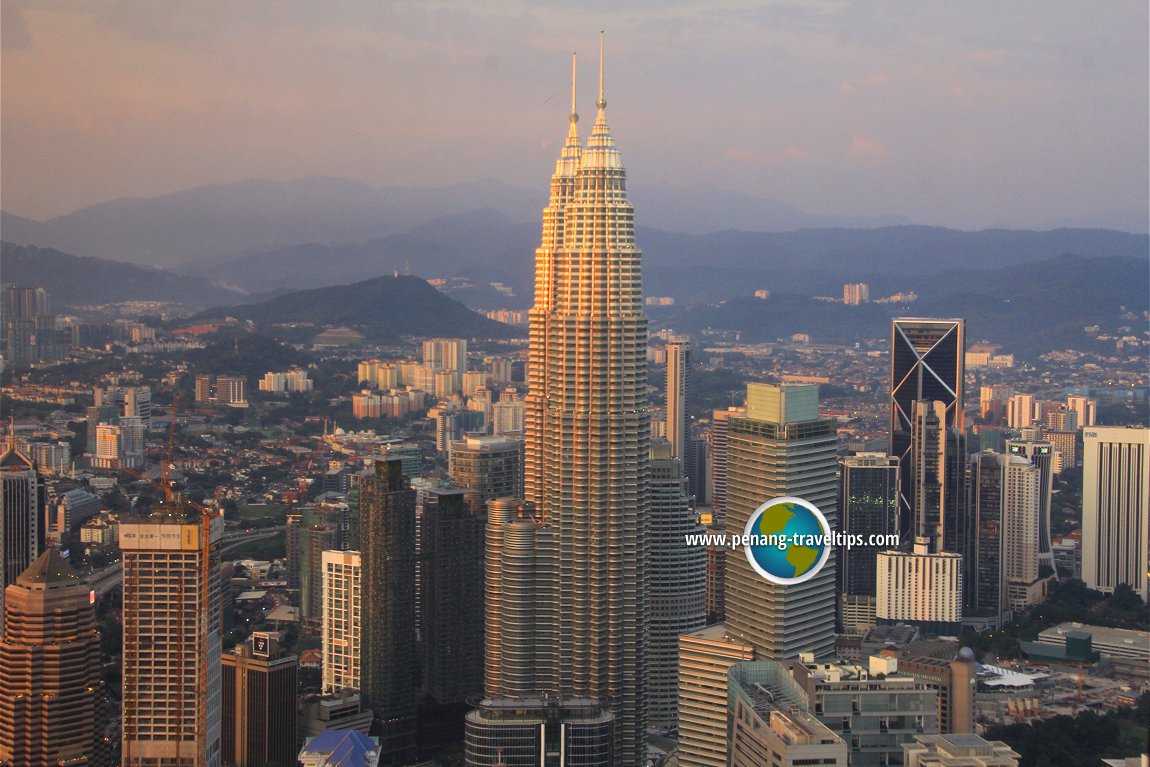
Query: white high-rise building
1116, 507
1020, 411
342, 620
921, 588
1022, 501
1086, 408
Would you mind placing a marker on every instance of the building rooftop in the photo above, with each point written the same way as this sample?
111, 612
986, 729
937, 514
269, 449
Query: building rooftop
50, 570
342, 748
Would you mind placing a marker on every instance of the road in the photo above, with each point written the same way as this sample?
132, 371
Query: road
108, 578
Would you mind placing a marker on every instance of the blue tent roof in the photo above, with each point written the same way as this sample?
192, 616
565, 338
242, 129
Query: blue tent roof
344, 748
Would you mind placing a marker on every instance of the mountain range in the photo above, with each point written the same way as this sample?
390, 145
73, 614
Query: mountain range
204, 223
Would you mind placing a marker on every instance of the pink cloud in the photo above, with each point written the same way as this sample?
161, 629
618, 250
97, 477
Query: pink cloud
866, 149
874, 81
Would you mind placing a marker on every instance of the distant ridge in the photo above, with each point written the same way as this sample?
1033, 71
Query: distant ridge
383, 308
1030, 308
82, 280
201, 225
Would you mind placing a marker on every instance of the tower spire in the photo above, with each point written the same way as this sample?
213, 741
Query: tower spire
574, 114
602, 102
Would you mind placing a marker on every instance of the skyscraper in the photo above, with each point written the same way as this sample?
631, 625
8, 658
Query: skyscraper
983, 569
342, 623
1116, 507
451, 594
1022, 502
1041, 454
588, 431
678, 581
926, 364
171, 690
20, 515
387, 548
259, 705
678, 390
868, 505
50, 685
781, 448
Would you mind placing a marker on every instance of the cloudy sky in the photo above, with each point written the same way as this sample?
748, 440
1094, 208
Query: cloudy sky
967, 114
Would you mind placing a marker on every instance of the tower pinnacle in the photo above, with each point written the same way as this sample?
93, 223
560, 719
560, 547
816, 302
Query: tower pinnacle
574, 114
602, 102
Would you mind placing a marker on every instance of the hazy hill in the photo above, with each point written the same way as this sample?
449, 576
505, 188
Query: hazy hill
1030, 309
78, 280
199, 224
486, 246
203, 223
382, 308
481, 243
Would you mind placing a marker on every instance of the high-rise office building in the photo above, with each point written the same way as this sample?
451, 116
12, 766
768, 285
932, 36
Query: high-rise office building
720, 429
868, 505
342, 621
491, 466
451, 594
1022, 504
171, 688
390, 663
927, 364
927, 465
781, 448
311, 534
1040, 453
587, 427
259, 703
983, 585
50, 685
678, 582
717, 554
1116, 507
21, 517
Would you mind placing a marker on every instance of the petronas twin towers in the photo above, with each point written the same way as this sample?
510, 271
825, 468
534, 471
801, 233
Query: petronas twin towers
588, 434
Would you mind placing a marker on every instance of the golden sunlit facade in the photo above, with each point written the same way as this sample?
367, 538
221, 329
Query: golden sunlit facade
587, 459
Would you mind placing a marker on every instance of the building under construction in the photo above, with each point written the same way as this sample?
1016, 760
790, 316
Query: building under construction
171, 614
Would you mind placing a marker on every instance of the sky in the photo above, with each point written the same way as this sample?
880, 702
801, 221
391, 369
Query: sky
966, 114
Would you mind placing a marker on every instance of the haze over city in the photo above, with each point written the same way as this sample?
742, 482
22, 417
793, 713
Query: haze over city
774, 392
972, 115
